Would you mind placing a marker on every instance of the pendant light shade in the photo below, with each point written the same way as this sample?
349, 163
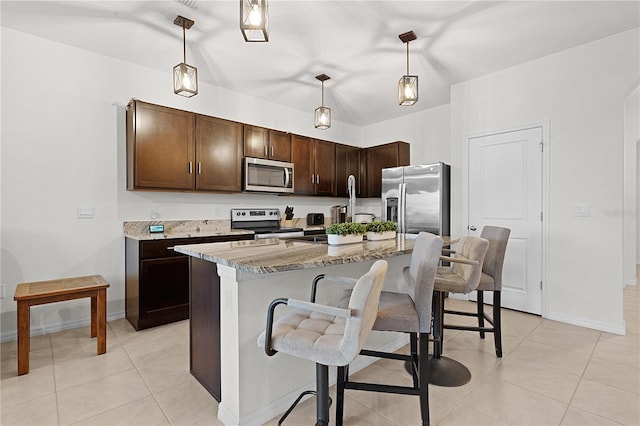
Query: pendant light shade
322, 119
185, 76
254, 20
408, 84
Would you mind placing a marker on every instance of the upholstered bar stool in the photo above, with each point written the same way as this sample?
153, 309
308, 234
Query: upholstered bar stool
462, 277
490, 280
409, 312
326, 335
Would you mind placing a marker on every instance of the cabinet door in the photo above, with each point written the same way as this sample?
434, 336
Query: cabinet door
302, 159
279, 146
325, 167
219, 154
164, 292
160, 143
347, 163
256, 142
380, 157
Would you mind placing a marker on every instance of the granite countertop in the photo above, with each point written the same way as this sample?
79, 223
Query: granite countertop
280, 255
139, 230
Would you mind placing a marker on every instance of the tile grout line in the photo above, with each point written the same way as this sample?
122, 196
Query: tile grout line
135, 366
55, 384
492, 371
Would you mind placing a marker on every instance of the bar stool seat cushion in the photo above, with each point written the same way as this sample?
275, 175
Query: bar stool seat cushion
310, 335
487, 283
396, 312
328, 335
450, 281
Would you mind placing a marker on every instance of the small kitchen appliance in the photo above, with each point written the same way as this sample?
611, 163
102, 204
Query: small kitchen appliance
338, 214
264, 222
315, 219
262, 175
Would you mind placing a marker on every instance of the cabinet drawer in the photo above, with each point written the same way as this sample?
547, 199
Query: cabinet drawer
155, 249
160, 248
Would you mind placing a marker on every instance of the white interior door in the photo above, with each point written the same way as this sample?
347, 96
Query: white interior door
505, 189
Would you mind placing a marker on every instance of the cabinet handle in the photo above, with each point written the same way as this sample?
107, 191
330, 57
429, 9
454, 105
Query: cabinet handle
272, 151
265, 151
317, 179
313, 178
199, 168
190, 167
170, 248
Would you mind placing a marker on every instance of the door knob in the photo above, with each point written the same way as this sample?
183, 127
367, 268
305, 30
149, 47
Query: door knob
472, 228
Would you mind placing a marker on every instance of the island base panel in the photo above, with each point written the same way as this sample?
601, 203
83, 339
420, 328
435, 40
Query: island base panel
204, 333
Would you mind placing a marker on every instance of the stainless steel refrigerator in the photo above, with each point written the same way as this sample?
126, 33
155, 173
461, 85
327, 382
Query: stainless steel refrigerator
417, 198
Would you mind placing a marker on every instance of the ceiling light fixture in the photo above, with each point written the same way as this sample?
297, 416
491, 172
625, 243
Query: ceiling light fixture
185, 77
323, 114
254, 20
408, 84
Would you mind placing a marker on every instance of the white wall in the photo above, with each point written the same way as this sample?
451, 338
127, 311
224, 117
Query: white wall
582, 92
63, 146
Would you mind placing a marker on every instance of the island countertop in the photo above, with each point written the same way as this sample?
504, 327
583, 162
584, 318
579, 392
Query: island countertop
280, 255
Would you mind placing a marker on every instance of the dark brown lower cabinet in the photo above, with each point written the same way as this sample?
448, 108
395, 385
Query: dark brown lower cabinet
157, 279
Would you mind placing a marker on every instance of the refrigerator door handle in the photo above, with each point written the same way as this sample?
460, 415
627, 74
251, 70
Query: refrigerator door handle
402, 208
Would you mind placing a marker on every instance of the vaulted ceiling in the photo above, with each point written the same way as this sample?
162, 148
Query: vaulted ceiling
354, 42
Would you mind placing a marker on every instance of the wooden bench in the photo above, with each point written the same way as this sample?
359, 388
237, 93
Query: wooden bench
41, 292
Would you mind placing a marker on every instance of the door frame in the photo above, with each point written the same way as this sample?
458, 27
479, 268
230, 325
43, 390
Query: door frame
544, 125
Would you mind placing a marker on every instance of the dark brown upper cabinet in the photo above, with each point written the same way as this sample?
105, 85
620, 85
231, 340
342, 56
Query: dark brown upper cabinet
380, 157
348, 163
314, 166
219, 154
171, 149
266, 143
160, 147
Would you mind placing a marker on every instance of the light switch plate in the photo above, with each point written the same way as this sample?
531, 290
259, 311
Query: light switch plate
581, 210
85, 212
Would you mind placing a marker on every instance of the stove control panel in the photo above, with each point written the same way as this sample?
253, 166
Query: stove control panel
246, 215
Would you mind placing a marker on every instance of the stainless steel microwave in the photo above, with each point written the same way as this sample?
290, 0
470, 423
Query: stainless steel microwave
262, 175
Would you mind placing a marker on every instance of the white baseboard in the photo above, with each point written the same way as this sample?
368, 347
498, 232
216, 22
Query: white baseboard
265, 414
9, 336
582, 322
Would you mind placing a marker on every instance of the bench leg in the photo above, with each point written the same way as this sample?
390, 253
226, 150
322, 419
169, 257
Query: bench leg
23, 338
94, 316
100, 319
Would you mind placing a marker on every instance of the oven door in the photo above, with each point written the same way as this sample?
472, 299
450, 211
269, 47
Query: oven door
267, 176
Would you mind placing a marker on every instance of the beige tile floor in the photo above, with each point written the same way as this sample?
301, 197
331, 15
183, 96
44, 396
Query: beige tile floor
551, 374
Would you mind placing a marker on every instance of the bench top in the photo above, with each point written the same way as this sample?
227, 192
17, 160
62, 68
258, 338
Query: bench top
38, 289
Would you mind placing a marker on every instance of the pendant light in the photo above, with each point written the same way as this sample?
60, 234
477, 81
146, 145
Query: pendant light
254, 20
408, 84
323, 114
185, 76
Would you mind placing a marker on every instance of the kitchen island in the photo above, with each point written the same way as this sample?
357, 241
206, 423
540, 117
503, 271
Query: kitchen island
231, 286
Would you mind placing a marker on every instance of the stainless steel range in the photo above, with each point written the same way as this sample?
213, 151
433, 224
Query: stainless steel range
264, 222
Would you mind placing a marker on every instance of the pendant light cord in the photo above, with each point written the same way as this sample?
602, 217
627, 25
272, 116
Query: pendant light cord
184, 45
407, 58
